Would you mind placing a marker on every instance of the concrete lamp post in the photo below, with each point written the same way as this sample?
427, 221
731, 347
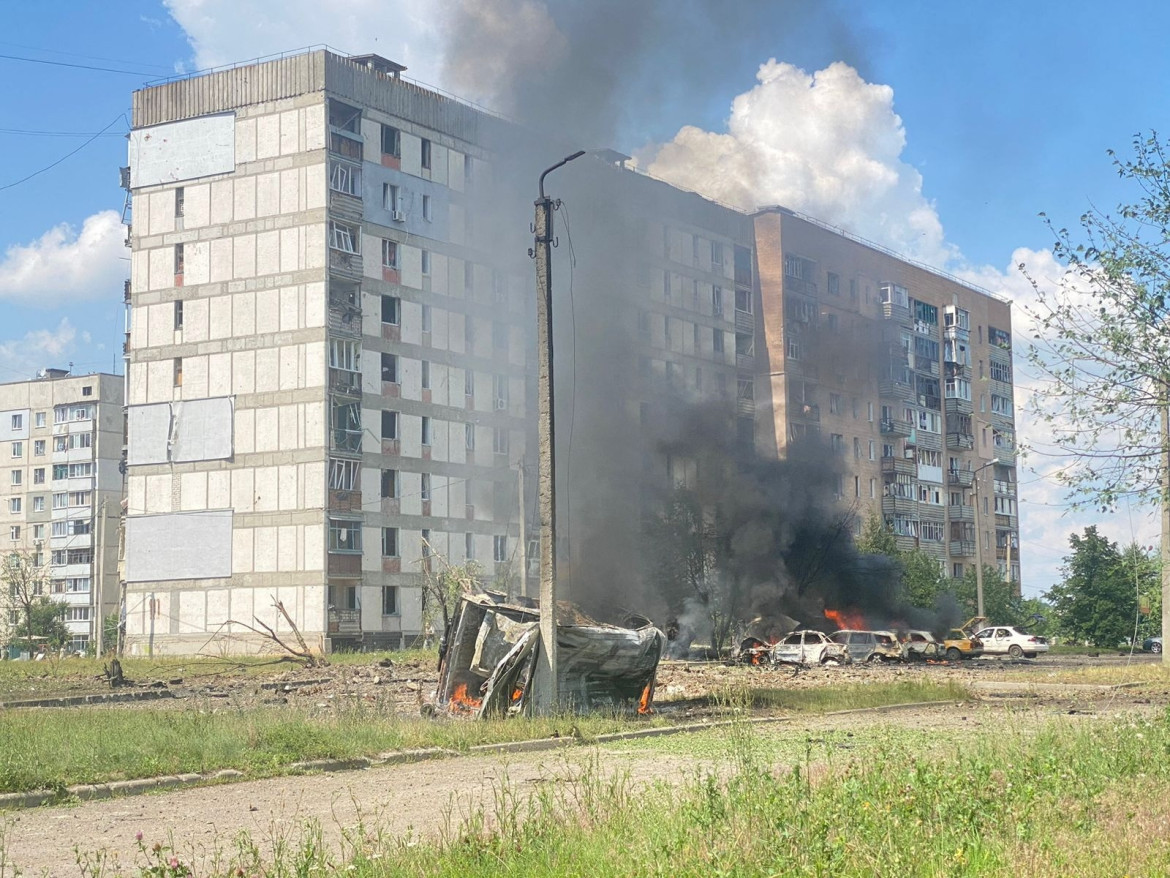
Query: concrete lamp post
978, 538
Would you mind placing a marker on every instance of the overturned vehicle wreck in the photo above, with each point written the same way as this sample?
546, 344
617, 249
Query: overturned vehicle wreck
493, 650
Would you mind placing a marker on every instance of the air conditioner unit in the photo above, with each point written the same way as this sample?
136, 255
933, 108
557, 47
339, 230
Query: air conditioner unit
501, 404
399, 216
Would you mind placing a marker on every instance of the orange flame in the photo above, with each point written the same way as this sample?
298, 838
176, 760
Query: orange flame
644, 701
846, 619
461, 699
517, 693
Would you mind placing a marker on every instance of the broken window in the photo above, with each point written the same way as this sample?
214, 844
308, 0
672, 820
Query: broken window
425, 154
390, 368
391, 309
499, 548
389, 600
345, 145
344, 237
391, 141
389, 484
179, 259
344, 116
347, 425
344, 475
390, 197
389, 424
346, 178
178, 315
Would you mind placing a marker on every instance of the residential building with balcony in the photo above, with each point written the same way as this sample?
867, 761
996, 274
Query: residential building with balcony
61, 445
907, 373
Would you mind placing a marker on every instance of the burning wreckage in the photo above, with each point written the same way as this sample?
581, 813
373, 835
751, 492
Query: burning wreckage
493, 649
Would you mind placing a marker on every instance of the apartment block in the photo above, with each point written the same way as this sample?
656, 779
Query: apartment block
906, 373
61, 443
330, 343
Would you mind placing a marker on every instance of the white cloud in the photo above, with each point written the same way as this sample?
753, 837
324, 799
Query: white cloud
228, 31
64, 266
21, 358
827, 144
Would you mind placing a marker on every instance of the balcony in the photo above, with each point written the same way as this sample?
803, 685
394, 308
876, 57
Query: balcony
1006, 455
745, 406
348, 564
931, 512
960, 441
344, 318
346, 265
797, 369
346, 441
345, 501
1005, 521
344, 382
895, 505
961, 478
961, 513
956, 406
345, 621
744, 321
892, 388
899, 466
896, 427
962, 548
905, 542
929, 441
897, 313
804, 411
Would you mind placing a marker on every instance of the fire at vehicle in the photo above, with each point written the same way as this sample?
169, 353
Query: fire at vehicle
493, 649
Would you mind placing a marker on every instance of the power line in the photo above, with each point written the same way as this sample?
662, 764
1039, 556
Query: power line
77, 55
76, 66
67, 155
28, 132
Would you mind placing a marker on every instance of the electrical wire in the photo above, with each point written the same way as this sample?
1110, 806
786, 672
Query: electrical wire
78, 55
27, 132
67, 155
75, 66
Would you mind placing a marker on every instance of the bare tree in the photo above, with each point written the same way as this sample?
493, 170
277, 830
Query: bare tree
1103, 345
443, 584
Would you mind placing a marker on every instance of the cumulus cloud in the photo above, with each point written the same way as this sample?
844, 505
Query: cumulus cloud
21, 358
228, 31
67, 266
827, 144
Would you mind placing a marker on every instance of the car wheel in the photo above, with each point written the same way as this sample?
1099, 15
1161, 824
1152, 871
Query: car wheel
1015, 651
1155, 647
874, 659
1030, 654
954, 654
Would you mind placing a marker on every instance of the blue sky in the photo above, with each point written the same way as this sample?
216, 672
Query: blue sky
1003, 110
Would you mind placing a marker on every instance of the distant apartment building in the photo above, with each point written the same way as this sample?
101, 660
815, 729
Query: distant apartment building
907, 374
329, 359
61, 443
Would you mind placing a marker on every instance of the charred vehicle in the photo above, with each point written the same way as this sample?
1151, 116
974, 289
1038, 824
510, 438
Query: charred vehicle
809, 648
493, 649
920, 646
961, 643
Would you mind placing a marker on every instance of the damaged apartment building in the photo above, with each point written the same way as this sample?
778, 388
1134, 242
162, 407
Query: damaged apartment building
330, 381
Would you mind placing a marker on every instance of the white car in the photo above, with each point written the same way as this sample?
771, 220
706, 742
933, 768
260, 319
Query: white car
1007, 640
809, 648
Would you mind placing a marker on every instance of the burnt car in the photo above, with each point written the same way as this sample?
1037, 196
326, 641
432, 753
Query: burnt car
920, 645
869, 646
493, 655
961, 643
809, 648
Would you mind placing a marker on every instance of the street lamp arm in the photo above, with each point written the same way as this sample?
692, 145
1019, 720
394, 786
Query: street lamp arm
561, 163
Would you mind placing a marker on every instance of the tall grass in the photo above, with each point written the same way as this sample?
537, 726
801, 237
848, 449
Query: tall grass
1018, 804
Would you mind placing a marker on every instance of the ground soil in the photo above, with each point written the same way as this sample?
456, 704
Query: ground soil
431, 798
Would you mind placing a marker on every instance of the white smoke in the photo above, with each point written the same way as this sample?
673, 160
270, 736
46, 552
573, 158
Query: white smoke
827, 144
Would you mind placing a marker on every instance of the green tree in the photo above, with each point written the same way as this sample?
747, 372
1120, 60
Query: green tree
1000, 604
43, 623
1097, 601
1105, 352
25, 584
921, 578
